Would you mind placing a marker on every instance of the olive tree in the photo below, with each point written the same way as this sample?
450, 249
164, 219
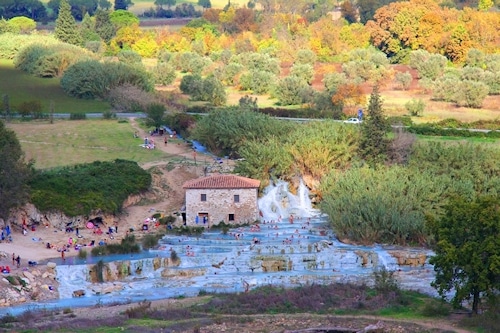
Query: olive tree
288, 90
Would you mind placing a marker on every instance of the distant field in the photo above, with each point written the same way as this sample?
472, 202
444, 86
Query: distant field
22, 87
68, 142
141, 5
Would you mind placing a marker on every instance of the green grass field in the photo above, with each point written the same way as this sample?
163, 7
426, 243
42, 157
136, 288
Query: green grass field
22, 87
68, 142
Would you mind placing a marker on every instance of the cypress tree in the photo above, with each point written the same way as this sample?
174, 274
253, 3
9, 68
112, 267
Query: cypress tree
66, 29
373, 141
103, 26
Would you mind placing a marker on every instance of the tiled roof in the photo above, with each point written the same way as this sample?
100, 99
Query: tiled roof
221, 181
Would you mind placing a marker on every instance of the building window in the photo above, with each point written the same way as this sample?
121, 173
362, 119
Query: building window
231, 217
203, 197
236, 198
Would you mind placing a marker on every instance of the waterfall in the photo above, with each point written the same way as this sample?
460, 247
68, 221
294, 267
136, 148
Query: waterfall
278, 202
288, 253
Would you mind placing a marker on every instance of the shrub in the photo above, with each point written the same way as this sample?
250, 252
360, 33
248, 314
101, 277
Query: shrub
191, 84
164, 56
164, 74
82, 254
384, 280
92, 79
48, 60
428, 65
11, 44
403, 80
258, 61
129, 57
5, 27
305, 57
247, 102
150, 240
21, 24
208, 90
493, 81
323, 102
436, 308
95, 46
129, 98
360, 71
213, 91
305, 72
83, 188
472, 74
471, 94
229, 73
98, 251
415, 107
28, 108
138, 311
445, 88
259, 82
77, 116
190, 62
108, 114
288, 90
334, 80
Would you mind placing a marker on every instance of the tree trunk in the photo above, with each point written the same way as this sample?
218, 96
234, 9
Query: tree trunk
475, 301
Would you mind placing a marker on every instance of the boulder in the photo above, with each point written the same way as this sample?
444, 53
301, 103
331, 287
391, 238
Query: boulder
30, 277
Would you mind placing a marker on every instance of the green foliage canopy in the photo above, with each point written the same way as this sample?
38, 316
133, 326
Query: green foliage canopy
225, 130
81, 189
21, 24
123, 18
92, 79
49, 60
386, 205
467, 252
14, 172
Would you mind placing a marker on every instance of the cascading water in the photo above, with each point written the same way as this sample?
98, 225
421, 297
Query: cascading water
281, 251
278, 203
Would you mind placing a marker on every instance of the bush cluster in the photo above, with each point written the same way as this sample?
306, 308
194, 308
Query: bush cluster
91, 79
11, 43
432, 130
126, 245
49, 60
209, 89
81, 189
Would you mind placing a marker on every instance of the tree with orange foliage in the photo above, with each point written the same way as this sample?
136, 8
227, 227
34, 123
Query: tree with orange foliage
349, 95
212, 15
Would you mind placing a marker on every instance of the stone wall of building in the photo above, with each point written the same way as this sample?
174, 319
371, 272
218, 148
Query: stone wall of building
219, 204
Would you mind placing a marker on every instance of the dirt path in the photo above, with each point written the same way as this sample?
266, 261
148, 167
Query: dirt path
427, 323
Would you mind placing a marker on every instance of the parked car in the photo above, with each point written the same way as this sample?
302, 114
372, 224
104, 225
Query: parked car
353, 121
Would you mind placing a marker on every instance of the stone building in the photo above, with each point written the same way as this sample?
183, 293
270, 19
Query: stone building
221, 198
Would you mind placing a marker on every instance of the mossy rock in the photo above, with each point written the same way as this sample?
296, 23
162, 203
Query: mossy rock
13, 280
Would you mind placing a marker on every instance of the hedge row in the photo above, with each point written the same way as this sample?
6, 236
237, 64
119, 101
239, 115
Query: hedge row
433, 130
